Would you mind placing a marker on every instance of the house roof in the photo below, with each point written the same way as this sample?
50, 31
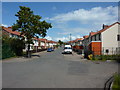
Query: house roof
50, 41
42, 39
104, 29
78, 39
36, 38
9, 30
86, 36
92, 33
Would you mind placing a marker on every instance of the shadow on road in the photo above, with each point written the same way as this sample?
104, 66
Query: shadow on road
31, 56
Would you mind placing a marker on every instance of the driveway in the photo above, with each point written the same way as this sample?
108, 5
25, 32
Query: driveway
55, 70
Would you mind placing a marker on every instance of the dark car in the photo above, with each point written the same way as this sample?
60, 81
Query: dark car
49, 49
52, 49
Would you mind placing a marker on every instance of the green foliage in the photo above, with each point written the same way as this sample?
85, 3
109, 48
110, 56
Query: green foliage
116, 82
29, 24
6, 48
106, 57
17, 46
60, 42
11, 47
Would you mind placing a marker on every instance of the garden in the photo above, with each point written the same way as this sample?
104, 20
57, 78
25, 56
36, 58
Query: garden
104, 57
11, 47
116, 82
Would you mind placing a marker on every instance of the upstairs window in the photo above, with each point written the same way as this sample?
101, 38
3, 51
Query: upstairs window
100, 37
95, 37
91, 39
118, 37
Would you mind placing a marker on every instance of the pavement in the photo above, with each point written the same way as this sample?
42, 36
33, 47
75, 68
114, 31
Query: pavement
56, 70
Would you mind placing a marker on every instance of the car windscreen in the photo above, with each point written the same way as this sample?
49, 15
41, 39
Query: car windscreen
67, 48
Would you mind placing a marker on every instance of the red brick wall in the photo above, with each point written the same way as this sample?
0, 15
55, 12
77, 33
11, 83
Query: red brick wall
96, 47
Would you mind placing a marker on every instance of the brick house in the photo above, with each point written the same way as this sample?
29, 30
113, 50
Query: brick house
38, 43
105, 41
42, 43
8, 31
51, 43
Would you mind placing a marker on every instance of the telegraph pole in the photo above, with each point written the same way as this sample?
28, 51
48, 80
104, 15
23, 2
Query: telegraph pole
70, 38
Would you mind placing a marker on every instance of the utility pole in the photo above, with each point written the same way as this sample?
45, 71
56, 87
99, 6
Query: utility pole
70, 38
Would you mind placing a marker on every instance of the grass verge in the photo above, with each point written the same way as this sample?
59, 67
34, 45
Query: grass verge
116, 82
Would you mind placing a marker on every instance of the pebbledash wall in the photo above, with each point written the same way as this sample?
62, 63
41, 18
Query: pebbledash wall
110, 41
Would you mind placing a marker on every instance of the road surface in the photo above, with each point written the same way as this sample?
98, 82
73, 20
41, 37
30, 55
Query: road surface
55, 70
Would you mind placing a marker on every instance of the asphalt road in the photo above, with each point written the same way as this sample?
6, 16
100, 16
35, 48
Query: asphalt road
54, 70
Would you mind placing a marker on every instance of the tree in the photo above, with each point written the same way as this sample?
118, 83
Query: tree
17, 46
60, 42
30, 25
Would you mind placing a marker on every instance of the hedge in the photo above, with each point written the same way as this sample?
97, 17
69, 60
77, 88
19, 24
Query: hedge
11, 47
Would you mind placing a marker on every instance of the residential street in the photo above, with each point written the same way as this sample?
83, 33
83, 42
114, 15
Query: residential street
55, 70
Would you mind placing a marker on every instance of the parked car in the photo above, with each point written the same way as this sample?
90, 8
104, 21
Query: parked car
52, 49
49, 50
67, 49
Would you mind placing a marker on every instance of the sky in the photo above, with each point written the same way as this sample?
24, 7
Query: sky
75, 18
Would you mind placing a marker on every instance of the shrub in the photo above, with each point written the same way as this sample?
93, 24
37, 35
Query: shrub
6, 48
116, 82
11, 47
107, 57
17, 46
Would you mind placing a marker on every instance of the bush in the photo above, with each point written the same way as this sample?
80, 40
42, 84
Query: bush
105, 57
116, 82
17, 46
11, 47
6, 48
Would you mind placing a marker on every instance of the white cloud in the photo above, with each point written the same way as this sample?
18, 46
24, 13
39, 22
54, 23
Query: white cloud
87, 20
94, 18
94, 15
48, 37
5, 25
64, 33
68, 38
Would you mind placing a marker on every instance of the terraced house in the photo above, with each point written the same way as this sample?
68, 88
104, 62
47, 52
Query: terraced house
105, 41
38, 43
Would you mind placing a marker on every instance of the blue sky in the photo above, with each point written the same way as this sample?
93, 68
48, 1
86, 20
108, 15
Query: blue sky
78, 18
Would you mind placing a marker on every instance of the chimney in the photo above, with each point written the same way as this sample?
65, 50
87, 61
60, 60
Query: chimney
105, 26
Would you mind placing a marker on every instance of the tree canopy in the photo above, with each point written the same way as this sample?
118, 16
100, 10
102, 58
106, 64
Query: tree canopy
29, 24
60, 42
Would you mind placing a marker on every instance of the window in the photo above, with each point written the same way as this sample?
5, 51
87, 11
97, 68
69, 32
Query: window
67, 48
100, 37
118, 37
91, 39
95, 37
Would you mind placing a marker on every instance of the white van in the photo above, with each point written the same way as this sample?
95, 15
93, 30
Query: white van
68, 49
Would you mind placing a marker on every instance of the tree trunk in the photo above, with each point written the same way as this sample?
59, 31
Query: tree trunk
28, 51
